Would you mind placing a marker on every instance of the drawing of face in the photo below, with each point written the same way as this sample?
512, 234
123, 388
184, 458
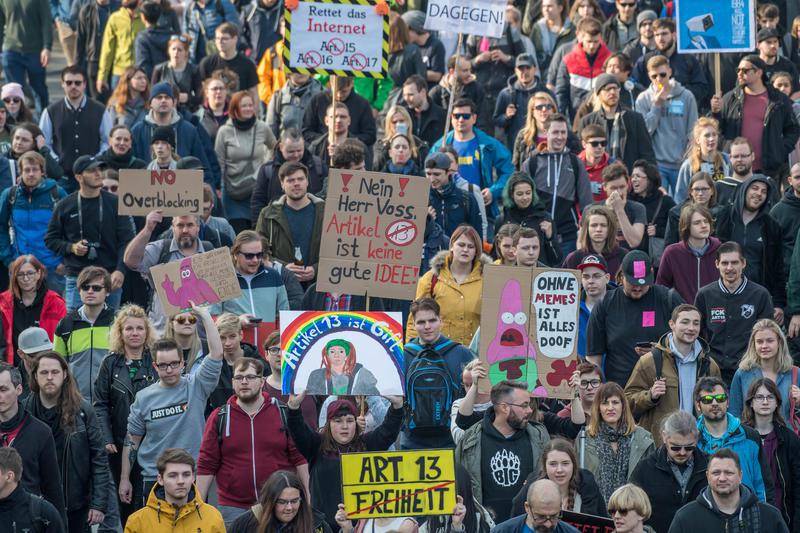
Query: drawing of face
186, 270
337, 356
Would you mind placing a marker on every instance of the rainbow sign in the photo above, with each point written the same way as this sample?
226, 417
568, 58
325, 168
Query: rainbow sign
347, 352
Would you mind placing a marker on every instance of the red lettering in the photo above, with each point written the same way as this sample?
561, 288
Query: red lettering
163, 176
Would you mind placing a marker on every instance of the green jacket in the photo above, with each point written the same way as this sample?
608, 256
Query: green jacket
273, 224
84, 346
117, 52
641, 445
26, 25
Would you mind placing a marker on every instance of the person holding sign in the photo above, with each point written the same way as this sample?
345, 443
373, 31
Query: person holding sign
398, 524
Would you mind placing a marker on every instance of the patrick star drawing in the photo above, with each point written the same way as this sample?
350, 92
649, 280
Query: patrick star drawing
511, 355
192, 289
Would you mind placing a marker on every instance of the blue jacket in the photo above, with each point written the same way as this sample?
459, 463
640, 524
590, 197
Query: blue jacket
202, 22
29, 220
454, 207
264, 296
517, 524
151, 48
747, 444
62, 10
494, 157
741, 383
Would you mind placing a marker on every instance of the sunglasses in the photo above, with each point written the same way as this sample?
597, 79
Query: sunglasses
597, 144
12, 100
70, 83
658, 76
690, 448
90, 287
250, 257
711, 398
543, 107
110, 188
181, 38
613, 510
191, 319
744, 70
462, 116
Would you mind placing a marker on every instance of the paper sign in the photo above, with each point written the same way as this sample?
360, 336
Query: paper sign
340, 37
204, 279
586, 523
372, 234
718, 26
343, 353
475, 17
387, 484
529, 327
175, 192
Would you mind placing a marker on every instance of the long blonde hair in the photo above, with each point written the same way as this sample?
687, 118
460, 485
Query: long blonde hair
194, 347
695, 154
390, 132
751, 359
127, 311
529, 132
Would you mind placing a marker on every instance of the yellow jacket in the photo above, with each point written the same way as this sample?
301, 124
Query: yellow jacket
270, 72
161, 516
460, 303
117, 52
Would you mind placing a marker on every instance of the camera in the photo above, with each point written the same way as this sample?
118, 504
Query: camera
92, 254
699, 25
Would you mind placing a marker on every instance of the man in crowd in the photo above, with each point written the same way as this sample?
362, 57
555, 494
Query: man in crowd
645, 42
449, 206
30, 343
787, 214
428, 118
226, 37
681, 357
273, 385
595, 282
362, 128
118, 51
581, 67
741, 155
337, 124
622, 28
769, 48
287, 106
92, 21
542, 511
631, 215
151, 43
595, 158
460, 81
431, 48
27, 39
19, 509
201, 18
511, 109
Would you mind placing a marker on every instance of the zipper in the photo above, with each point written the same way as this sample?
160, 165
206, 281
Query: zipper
698, 275
252, 453
64, 472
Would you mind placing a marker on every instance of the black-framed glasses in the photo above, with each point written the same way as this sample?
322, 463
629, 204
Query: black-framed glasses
462, 116
708, 399
26, 275
526, 405
249, 378
590, 383
191, 319
86, 287
764, 398
251, 256
542, 518
169, 366
597, 144
274, 350
689, 448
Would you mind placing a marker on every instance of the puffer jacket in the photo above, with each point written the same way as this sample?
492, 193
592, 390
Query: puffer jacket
241, 153
273, 224
53, 310
161, 516
641, 445
460, 302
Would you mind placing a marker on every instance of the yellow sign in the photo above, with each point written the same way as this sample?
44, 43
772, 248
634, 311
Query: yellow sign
386, 484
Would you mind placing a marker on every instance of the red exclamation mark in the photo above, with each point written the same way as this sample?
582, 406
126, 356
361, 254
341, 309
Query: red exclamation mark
345, 180
403, 183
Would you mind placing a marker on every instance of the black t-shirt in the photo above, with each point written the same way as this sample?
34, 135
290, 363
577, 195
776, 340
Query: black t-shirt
240, 64
433, 55
618, 322
301, 224
505, 464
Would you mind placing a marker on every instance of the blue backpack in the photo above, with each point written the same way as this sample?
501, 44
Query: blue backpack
430, 388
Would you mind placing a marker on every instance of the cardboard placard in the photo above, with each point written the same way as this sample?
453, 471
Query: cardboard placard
342, 352
587, 523
175, 192
474, 17
529, 327
372, 234
339, 37
387, 484
204, 279
718, 26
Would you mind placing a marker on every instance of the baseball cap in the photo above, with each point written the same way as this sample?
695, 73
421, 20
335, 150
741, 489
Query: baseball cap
438, 160
594, 260
34, 340
638, 268
604, 79
86, 162
767, 33
341, 407
524, 60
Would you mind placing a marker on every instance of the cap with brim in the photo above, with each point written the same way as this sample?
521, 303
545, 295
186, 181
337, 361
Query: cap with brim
593, 260
438, 160
34, 340
524, 60
638, 268
86, 162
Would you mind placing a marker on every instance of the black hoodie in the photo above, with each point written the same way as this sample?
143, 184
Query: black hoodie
16, 513
752, 516
787, 214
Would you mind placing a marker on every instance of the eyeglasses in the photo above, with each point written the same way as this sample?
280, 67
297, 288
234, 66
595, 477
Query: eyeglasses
701, 189
274, 350
191, 319
590, 383
250, 257
70, 83
216, 89
26, 275
526, 405
658, 75
744, 70
542, 518
613, 511
293, 501
462, 116
689, 448
86, 287
181, 38
169, 366
764, 398
249, 378
711, 398
597, 144
110, 188
12, 99
543, 107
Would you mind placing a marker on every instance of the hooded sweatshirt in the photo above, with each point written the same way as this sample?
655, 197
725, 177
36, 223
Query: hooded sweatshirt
687, 270
515, 94
752, 516
670, 123
161, 516
787, 214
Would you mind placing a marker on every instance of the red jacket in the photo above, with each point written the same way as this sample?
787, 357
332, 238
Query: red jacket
53, 310
685, 272
248, 453
596, 175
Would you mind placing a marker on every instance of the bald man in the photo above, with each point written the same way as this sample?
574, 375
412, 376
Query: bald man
542, 512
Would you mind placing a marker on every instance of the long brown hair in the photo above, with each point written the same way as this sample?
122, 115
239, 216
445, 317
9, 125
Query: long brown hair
330, 447
122, 94
562, 445
398, 33
15, 267
303, 522
585, 243
69, 399
605, 392
749, 416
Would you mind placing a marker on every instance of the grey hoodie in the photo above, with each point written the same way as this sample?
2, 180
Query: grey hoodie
670, 124
172, 417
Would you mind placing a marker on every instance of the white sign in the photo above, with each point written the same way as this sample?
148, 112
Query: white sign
474, 17
336, 37
555, 299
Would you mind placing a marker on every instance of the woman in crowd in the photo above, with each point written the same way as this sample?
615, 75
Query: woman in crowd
614, 444
455, 281
691, 263
405, 58
398, 120
397, 524
701, 192
586, 8
598, 235
282, 506
243, 144
129, 101
182, 327
214, 111
126, 370
402, 157
629, 507
521, 206
503, 248
703, 155
181, 74
762, 412
767, 356
26, 137
646, 189
119, 154
540, 106
5, 128
579, 490
162, 149
14, 98
340, 434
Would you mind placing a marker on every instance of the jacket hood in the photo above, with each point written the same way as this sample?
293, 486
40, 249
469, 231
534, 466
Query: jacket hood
676, 89
176, 117
442, 259
168, 512
663, 345
491, 432
741, 193
746, 499
734, 434
300, 91
514, 85
790, 198
713, 245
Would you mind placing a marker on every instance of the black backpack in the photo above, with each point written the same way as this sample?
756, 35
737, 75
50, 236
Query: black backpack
223, 413
430, 389
40, 523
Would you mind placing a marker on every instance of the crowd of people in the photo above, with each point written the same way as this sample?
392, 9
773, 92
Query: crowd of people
578, 139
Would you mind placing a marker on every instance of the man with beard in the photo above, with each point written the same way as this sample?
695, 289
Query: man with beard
630, 319
226, 452
504, 437
720, 429
741, 154
141, 254
787, 214
727, 504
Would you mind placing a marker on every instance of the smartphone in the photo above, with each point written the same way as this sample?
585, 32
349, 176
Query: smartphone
255, 320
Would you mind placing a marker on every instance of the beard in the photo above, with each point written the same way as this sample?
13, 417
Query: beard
185, 243
516, 422
248, 397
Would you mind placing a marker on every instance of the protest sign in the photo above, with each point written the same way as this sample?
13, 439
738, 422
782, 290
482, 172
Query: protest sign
481, 17
372, 233
529, 327
387, 484
175, 192
338, 37
718, 26
586, 523
204, 279
347, 352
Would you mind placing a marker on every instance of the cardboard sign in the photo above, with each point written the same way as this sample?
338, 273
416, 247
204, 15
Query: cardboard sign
339, 37
587, 523
475, 17
718, 26
529, 327
204, 279
372, 234
175, 192
386, 484
343, 353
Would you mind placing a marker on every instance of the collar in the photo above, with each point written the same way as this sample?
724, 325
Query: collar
173, 246
82, 314
738, 289
81, 105
684, 358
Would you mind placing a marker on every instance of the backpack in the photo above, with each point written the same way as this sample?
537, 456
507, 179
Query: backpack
223, 413
430, 389
40, 523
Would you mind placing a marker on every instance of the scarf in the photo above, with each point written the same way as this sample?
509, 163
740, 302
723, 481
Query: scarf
243, 125
613, 471
11, 424
618, 137
153, 165
115, 160
408, 168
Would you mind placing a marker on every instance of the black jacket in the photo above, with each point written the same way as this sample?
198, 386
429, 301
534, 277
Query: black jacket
151, 48
788, 455
248, 522
787, 214
114, 393
429, 126
704, 515
90, 33
781, 130
550, 251
658, 206
268, 185
591, 500
260, 29
634, 141
654, 475
16, 514
84, 466
125, 162
362, 125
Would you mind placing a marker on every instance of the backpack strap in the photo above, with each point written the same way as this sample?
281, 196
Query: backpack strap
12, 196
658, 361
40, 523
434, 281
163, 255
222, 419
